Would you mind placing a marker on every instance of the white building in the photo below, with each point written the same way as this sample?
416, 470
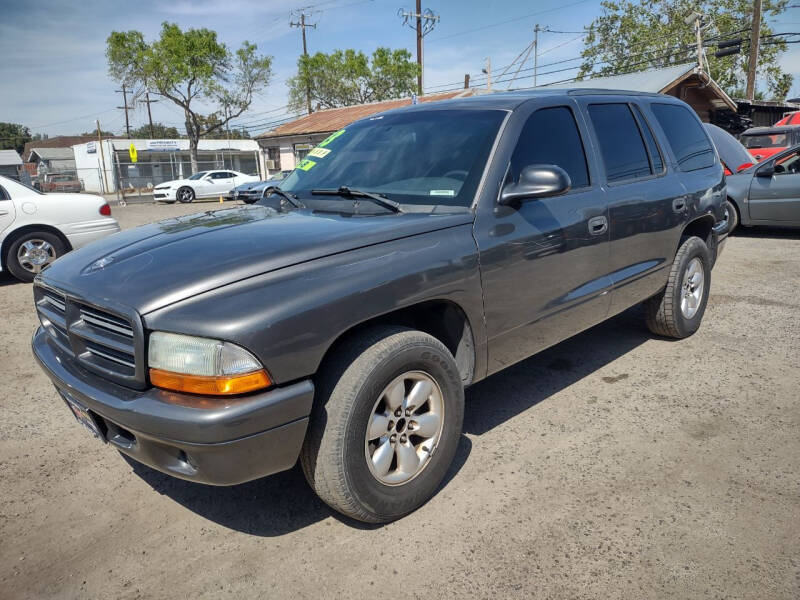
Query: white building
104, 168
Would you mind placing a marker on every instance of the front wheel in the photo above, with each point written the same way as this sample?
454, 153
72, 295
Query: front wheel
185, 194
32, 252
385, 425
731, 215
677, 311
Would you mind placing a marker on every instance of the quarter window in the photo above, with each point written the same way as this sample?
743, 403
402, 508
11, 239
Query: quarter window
621, 143
686, 137
551, 137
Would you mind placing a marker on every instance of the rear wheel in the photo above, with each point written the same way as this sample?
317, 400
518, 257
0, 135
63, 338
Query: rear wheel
185, 194
678, 310
385, 425
32, 252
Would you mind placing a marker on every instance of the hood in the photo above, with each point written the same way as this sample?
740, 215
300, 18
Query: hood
252, 185
152, 266
174, 182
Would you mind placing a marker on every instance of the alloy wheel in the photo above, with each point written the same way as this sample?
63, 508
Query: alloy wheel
33, 255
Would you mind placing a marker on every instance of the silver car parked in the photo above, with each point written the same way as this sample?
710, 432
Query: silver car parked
767, 193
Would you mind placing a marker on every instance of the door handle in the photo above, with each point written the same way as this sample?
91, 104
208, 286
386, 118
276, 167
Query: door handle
3, 212
679, 204
598, 225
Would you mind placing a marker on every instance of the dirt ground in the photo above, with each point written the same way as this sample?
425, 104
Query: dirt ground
614, 465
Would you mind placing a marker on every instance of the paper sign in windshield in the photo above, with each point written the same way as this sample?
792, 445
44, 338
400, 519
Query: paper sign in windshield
443, 193
319, 152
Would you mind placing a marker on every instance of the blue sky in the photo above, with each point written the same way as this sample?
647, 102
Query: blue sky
54, 68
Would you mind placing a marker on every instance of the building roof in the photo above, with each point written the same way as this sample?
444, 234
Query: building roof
59, 141
9, 157
654, 81
52, 153
657, 81
333, 119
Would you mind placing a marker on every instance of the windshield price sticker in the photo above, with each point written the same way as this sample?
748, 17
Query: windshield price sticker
442, 192
331, 137
319, 152
305, 164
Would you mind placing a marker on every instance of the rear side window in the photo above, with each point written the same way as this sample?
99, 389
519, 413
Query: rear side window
652, 146
551, 137
621, 144
685, 135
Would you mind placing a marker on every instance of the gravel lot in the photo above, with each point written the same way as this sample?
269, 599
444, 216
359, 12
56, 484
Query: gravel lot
614, 465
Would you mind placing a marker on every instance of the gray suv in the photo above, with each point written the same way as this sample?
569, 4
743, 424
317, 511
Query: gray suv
408, 256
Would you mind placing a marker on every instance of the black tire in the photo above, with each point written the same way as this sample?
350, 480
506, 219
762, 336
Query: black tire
334, 455
732, 215
185, 194
663, 311
21, 271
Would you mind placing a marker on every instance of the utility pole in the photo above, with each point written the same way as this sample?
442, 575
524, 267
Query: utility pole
302, 25
149, 114
755, 39
466, 81
126, 107
536, 31
697, 19
102, 155
424, 22
488, 72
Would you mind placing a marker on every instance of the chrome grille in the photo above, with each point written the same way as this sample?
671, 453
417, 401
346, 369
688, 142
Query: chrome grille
107, 342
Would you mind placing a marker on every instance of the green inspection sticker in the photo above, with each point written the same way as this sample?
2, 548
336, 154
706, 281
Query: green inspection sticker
305, 164
331, 137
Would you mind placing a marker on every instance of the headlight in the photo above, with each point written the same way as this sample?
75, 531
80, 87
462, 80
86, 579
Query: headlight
198, 365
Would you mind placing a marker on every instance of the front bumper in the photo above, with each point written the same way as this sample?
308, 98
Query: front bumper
168, 194
209, 440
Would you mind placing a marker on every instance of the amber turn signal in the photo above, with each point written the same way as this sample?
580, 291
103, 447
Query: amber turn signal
221, 385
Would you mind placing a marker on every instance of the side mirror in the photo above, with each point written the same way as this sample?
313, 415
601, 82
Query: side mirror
768, 170
536, 181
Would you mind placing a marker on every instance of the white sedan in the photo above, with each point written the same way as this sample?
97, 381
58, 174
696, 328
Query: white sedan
37, 228
205, 184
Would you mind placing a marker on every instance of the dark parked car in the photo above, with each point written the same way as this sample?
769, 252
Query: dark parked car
768, 193
253, 191
408, 256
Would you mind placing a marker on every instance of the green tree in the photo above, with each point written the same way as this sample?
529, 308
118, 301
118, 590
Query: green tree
159, 132
347, 77
634, 36
13, 136
191, 68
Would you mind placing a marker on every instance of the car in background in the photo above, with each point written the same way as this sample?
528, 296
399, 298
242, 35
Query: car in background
763, 142
733, 155
768, 193
250, 192
60, 183
790, 119
204, 184
37, 228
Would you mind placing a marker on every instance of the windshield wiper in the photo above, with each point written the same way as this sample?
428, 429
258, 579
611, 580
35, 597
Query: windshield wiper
347, 192
273, 189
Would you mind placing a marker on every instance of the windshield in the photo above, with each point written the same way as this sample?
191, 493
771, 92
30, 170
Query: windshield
765, 140
198, 175
428, 157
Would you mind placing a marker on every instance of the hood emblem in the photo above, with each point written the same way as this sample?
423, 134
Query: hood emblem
100, 263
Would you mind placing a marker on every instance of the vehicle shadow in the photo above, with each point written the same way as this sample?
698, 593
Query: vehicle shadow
510, 392
267, 507
767, 232
8, 279
283, 502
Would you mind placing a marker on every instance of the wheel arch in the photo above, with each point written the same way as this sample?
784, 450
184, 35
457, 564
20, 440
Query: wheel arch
443, 319
14, 235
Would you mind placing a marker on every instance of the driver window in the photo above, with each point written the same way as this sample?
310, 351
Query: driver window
788, 164
551, 137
